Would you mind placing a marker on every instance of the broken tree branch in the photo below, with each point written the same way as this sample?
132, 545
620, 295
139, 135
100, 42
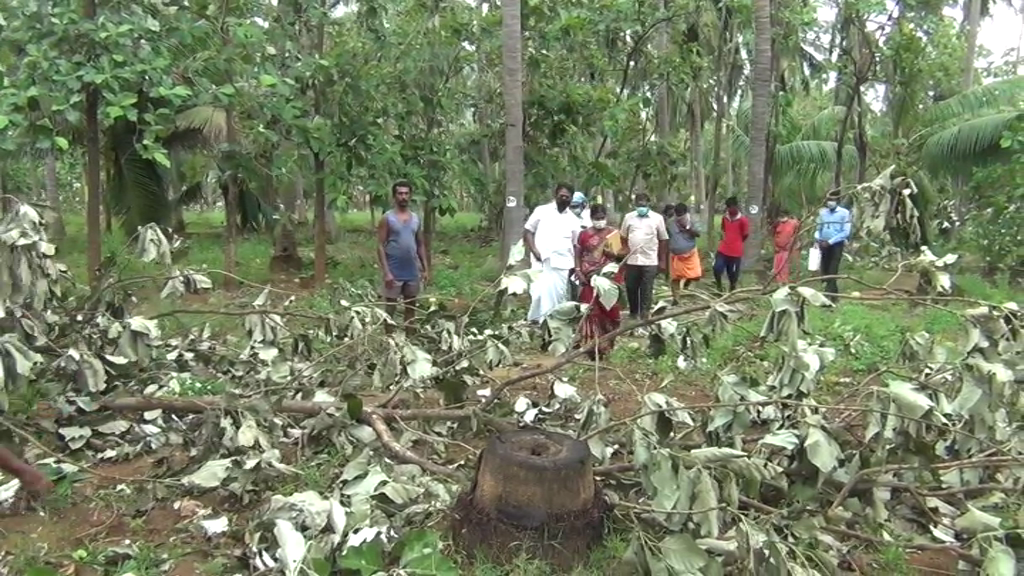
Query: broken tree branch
200, 404
387, 440
847, 533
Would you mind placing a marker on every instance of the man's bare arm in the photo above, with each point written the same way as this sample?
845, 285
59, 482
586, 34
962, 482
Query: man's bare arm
421, 251
382, 240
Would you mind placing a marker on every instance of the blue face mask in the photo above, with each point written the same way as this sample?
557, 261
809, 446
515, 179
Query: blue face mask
643, 211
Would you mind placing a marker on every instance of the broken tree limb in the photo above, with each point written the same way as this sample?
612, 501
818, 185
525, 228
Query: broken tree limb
372, 417
847, 533
200, 404
731, 298
376, 421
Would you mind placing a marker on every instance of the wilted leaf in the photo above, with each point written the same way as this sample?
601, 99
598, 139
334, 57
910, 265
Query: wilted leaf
788, 439
607, 290
210, 474
821, 449
976, 522
909, 398
291, 547
812, 296
682, 554
1000, 561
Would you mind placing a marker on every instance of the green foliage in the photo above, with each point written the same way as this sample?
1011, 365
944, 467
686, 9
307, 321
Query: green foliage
995, 224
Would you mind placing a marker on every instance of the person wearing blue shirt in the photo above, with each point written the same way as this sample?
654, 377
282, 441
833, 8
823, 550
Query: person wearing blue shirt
831, 235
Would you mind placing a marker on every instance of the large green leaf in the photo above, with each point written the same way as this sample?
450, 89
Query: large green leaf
968, 141
994, 96
136, 187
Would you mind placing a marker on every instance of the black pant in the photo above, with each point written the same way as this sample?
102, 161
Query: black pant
639, 282
731, 266
831, 256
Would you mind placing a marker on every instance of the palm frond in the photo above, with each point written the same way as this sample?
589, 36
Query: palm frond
969, 141
998, 95
812, 157
136, 186
210, 121
824, 125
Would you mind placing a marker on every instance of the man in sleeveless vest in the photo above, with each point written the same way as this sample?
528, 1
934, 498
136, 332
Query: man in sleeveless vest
402, 255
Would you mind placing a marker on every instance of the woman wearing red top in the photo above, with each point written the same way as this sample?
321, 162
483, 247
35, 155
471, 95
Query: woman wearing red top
593, 254
785, 244
735, 229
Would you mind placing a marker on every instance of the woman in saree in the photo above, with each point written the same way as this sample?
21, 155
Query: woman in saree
595, 249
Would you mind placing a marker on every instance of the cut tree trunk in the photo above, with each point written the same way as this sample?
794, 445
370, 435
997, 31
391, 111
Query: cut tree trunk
534, 495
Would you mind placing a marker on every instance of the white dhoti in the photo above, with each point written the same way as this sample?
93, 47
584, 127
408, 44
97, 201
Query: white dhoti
550, 289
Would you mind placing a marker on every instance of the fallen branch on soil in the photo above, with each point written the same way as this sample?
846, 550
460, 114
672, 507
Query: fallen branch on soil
847, 533
376, 421
731, 298
944, 466
198, 404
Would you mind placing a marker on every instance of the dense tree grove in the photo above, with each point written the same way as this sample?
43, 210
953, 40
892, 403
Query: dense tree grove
139, 110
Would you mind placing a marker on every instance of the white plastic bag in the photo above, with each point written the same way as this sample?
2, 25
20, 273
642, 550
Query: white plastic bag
814, 259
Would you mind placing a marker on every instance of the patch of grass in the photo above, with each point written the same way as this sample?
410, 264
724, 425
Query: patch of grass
602, 561
893, 560
464, 262
867, 336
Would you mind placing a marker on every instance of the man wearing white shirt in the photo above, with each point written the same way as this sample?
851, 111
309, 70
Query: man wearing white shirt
550, 236
645, 239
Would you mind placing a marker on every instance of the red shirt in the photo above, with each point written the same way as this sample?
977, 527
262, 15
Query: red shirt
785, 230
734, 232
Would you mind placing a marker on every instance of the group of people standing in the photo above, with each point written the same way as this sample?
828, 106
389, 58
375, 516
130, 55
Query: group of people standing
570, 242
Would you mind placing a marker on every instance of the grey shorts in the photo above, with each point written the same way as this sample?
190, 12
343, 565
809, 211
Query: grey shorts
400, 289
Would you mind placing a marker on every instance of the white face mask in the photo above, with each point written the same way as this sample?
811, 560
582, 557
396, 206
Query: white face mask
831, 204
599, 224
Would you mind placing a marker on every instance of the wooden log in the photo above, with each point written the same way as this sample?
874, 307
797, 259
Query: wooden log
534, 495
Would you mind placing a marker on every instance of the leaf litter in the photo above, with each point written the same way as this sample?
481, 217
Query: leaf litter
936, 467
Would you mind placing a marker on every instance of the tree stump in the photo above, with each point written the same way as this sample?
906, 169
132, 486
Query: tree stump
534, 494
286, 251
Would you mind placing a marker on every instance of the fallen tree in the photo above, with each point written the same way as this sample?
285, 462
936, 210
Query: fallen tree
765, 476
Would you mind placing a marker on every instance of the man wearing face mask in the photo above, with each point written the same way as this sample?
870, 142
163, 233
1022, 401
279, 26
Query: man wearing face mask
645, 240
550, 236
831, 234
735, 230
581, 209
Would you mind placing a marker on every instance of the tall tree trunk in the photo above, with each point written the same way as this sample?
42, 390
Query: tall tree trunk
492, 193
664, 112
56, 230
512, 90
320, 172
972, 9
723, 65
231, 207
697, 146
760, 108
93, 225
861, 139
